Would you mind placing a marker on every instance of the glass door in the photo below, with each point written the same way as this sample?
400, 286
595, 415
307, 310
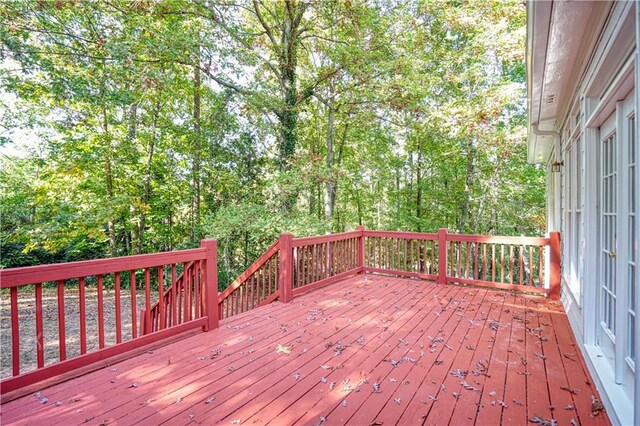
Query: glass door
608, 237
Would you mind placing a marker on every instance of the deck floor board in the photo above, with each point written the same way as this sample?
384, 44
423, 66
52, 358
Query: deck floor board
419, 341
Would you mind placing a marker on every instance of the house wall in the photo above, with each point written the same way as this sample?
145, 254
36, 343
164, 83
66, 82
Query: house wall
602, 103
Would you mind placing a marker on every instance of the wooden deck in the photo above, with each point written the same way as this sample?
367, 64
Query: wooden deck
368, 350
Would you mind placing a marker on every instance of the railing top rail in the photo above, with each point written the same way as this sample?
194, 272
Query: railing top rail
402, 234
490, 239
273, 249
307, 241
62, 271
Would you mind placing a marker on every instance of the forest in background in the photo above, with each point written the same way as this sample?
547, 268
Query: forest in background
132, 127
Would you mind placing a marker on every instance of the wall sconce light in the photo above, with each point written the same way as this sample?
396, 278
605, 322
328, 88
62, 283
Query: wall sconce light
555, 166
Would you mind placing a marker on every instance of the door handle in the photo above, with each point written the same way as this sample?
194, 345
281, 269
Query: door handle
612, 254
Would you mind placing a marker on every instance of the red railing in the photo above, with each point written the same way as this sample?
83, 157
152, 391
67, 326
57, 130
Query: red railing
88, 343
181, 301
512, 263
318, 261
257, 286
289, 267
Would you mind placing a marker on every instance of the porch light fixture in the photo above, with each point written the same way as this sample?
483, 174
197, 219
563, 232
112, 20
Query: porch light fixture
555, 166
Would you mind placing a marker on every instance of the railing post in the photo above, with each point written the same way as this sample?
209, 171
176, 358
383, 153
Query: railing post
286, 267
210, 289
554, 267
442, 256
360, 249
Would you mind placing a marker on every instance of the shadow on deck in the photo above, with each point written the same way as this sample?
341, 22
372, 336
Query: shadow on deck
367, 350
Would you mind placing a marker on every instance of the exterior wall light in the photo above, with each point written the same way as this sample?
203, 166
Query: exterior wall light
555, 166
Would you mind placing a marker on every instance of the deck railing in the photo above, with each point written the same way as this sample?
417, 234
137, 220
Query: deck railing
189, 300
291, 266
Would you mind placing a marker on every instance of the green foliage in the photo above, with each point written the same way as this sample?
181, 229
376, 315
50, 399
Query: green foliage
155, 124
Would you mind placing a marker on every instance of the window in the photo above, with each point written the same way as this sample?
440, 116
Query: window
572, 218
633, 243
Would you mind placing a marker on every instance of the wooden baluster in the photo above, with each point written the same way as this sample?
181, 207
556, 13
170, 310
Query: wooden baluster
475, 261
39, 327
15, 332
269, 274
317, 261
62, 340
466, 269
510, 264
254, 278
387, 253
263, 268
531, 266
484, 262
327, 260
521, 264
83, 317
197, 287
540, 267
454, 260
187, 293
100, 312
134, 306
118, 312
432, 267
147, 299
304, 255
174, 294
161, 305
181, 290
502, 263
296, 267
275, 285
493, 263
314, 263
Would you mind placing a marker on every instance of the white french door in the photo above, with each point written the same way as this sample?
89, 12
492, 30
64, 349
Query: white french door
617, 246
608, 236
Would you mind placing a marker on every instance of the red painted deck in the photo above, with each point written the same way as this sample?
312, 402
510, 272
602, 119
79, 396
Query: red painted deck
364, 351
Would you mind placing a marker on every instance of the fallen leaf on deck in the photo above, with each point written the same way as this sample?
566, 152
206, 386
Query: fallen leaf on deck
542, 422
283, 349
210, 400
133, 385
570, 390
596, 406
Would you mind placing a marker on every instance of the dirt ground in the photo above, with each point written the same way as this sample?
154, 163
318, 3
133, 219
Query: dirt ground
27, 324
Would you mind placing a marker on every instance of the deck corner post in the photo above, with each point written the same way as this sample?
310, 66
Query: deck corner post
360, 249
210, 289
442, 256
286, 267
554, 267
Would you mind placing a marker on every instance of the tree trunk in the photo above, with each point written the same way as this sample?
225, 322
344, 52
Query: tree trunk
146, 191
419, 188
197, 146
330, 185
288, 116
468, 183
109, 182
